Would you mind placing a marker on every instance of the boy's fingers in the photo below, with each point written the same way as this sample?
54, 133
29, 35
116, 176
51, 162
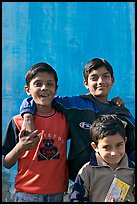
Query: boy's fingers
26, 133
118, 101
34, 133
22, 131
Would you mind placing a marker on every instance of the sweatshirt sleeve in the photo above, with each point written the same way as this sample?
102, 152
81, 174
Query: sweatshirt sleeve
28, 106
78, 191
10, 138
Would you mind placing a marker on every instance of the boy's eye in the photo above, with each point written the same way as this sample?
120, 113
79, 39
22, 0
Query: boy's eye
94, 77
106, 147
50, 84
120, 144
38, 84
107, 76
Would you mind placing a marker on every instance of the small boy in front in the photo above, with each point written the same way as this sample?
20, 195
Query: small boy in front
108, 162
42, 167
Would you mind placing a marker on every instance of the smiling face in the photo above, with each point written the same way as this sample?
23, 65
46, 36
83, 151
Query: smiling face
99, 83
42, 88
111, 149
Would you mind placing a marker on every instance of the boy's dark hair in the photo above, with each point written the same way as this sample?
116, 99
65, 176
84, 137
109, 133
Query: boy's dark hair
40, 67
106, 125
95, 64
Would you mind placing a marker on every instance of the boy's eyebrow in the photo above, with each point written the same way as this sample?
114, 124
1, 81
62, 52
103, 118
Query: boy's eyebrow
47, 80
105, 145
120, 142
97, 74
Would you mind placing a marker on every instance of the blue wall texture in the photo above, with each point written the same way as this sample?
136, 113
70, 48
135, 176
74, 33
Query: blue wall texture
66, 35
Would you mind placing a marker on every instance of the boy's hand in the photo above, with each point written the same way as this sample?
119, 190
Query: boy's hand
25, 143
28, 141
118, 101
28, 123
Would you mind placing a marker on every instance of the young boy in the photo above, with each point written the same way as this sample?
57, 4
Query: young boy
81, 111
110, 162
42, 167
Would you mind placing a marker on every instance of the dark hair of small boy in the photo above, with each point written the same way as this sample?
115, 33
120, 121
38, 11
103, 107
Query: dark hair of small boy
40, 67
95, 64
106, 125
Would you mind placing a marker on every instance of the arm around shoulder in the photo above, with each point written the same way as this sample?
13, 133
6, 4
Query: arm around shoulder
28, 106
27, 110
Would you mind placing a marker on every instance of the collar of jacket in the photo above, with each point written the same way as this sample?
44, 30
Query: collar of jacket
95, 160
121, 111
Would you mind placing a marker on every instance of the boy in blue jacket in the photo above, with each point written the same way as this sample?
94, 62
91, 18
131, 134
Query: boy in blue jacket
82, 110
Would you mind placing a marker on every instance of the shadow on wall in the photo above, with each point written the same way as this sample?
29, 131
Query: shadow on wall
7, 195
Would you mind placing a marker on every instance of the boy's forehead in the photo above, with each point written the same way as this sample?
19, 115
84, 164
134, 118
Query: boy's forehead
111, 139
43, 76
99, 70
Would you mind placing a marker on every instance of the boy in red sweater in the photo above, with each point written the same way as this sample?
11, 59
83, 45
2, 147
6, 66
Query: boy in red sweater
42, 167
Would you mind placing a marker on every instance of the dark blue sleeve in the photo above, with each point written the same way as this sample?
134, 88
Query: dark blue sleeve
78, 191
28, 106
10, 138
132, 156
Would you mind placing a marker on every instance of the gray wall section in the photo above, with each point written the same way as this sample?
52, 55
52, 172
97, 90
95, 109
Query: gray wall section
65, 35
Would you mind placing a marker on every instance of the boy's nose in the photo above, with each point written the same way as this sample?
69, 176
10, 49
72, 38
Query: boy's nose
100, 80
43, 87
113, 153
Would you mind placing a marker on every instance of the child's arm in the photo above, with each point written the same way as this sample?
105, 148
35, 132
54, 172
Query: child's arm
28, 109
28, 105
25, 143
28, 122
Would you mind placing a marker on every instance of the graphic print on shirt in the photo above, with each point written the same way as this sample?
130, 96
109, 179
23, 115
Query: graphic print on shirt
49, 146
84, 125
48, 151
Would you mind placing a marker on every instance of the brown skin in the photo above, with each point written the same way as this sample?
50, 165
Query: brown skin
43, 83
100, 83
25, 143
111, 149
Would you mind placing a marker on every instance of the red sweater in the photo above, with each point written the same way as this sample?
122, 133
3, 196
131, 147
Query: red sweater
43, 169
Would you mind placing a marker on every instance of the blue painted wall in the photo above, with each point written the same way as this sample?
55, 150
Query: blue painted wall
66, 35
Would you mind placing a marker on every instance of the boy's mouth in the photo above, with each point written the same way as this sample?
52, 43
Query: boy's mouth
44, 95
101, 87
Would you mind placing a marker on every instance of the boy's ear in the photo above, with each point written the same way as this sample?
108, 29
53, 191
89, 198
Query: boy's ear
57, 88
113, 80
27, 90
94, 146
86, 84
125, 139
